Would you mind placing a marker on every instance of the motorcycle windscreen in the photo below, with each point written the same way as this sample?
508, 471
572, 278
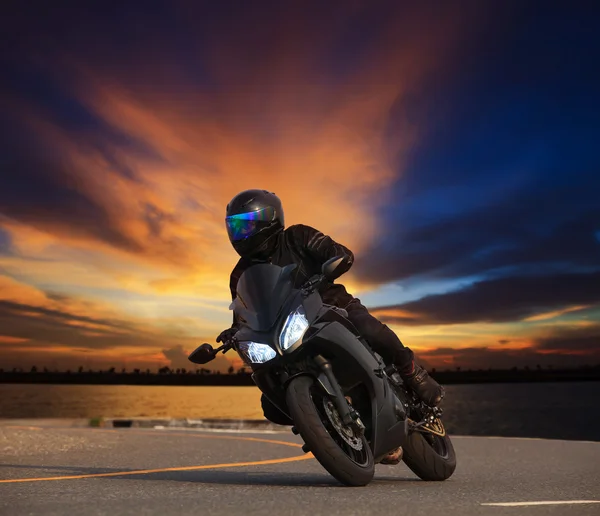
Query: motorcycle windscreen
262, 290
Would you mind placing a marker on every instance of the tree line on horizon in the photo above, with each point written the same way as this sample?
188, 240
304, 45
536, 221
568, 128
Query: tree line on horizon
166, 370
113, 370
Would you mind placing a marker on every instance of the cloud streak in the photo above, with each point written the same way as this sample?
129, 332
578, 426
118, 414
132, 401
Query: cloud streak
37, 327
501, 300
569, 347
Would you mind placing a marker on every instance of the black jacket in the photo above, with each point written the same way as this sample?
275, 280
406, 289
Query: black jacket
309, 249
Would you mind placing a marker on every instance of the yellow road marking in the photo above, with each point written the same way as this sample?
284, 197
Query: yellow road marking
197, 434
21, 427
162, 470
181, 468
153, 432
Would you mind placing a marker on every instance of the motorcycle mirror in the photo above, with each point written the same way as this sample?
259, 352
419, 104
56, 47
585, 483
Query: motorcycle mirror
203, 354
331, 266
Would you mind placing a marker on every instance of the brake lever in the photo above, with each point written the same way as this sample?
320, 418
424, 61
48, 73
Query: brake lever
313, 284
226, 346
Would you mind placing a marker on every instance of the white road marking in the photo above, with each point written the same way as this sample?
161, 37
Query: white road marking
520, 504
519, 438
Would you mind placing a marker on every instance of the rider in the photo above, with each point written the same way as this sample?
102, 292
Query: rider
255, 225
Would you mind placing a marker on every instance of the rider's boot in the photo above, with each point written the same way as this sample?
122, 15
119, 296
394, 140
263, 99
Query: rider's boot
394, 457
423, 385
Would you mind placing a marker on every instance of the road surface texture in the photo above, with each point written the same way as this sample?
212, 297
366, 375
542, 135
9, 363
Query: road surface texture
88, 471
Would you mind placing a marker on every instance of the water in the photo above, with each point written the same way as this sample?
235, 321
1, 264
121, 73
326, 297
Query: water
552, 410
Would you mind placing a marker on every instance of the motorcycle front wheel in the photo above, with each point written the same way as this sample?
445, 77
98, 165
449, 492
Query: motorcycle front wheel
344, 454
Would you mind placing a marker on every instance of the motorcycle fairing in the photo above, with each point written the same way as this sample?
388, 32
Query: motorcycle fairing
262, 290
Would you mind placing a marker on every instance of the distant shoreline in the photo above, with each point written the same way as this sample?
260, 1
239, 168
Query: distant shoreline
245, 379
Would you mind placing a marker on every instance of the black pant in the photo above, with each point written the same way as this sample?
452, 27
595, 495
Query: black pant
381, 339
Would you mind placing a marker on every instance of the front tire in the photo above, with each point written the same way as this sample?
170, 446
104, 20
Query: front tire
304, 401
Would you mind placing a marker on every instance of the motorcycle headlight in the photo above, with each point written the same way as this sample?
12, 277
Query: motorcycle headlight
293, 329
255, 352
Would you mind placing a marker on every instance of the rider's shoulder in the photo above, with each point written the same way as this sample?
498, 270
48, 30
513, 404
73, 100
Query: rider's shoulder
242, 263
300, 228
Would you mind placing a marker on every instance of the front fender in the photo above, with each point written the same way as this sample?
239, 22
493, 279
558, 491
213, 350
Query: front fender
321, 379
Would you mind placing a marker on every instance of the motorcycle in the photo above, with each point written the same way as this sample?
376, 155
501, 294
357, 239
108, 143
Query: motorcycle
349, 407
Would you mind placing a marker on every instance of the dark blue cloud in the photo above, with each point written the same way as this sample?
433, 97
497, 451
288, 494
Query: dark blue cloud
34, 189
506, 177
5, 242
500, 300
51, 100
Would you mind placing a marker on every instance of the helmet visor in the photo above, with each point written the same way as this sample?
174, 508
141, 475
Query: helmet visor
244, 225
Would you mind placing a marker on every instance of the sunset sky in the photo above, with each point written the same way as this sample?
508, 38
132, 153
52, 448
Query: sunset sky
453, 148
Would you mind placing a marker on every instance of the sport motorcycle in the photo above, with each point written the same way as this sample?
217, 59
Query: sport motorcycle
349, 407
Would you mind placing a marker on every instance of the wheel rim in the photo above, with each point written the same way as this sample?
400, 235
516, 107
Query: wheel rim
355, 447
346, 433
437, 443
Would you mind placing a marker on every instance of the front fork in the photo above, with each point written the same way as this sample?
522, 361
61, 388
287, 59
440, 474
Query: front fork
349, 416
331, 386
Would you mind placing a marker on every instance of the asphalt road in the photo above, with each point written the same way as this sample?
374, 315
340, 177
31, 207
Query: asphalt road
136, 471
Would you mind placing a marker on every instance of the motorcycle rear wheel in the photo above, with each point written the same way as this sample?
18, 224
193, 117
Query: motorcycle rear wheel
430, 457
305, 402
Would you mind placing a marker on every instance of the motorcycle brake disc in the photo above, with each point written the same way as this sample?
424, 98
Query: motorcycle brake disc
346, 433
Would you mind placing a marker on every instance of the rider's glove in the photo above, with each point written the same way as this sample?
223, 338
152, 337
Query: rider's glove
226, 335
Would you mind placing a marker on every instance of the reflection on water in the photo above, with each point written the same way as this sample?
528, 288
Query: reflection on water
128, 401
554, 410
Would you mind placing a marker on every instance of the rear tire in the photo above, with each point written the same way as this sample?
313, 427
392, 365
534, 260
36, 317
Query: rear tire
309, 423
425, 461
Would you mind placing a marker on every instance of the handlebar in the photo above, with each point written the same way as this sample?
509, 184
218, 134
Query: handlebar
226, 346
313, 284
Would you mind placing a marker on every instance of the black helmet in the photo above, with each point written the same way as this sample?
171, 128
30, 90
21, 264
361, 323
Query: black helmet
253, 219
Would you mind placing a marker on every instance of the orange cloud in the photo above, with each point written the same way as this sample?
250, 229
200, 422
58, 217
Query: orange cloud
28, 296
396, 313
556, 313
68, 329
5, 339
12, 290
